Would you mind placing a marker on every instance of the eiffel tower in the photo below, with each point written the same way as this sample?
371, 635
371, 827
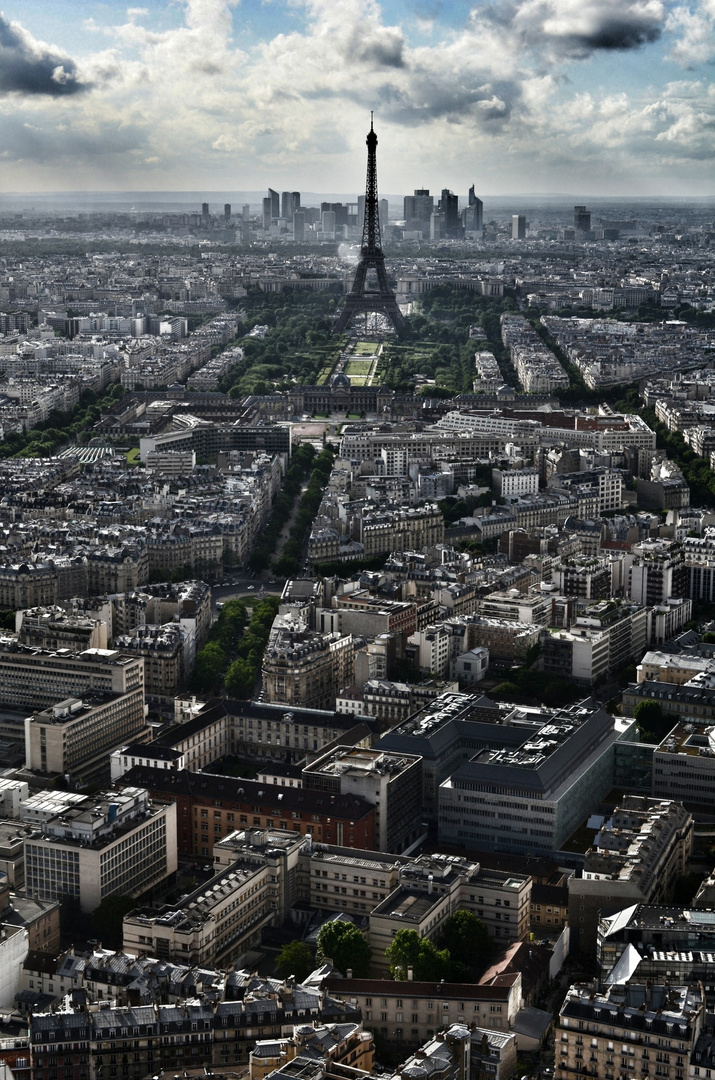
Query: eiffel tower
360, 298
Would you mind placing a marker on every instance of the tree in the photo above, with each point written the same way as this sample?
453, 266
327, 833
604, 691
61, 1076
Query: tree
209, 667
648, 714
409, 950
107, 918
240, 680
469, 943
295, 959
343, 943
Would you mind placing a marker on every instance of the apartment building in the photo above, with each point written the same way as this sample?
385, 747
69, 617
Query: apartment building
133, 1040
405, 1011
109, 843
27, 585
337, 1044
608, 635
628, 1030
163, 649
305, 667
507, 641
657, 572
637, 857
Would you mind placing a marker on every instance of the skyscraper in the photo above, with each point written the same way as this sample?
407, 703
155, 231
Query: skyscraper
204, 209
581, 219
518, 227
267, 213
449, 214
473, 214
227, 211
275, 203
298, 226
290, 202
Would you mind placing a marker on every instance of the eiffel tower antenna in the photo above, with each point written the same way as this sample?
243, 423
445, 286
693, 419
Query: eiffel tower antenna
361, 299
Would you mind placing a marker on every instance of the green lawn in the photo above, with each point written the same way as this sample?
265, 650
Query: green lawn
133, 456
366, 348
358, 367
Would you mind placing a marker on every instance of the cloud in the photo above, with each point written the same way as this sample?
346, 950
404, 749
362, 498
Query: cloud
579, 28
514, 92
31, 67
694, 31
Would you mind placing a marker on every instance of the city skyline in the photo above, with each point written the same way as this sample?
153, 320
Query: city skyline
543, 96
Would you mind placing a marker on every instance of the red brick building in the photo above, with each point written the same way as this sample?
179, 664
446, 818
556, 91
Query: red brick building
209, 807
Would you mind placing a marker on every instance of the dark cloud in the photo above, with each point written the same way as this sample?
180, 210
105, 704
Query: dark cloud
616, 35
29, 67
569, 32
383, 50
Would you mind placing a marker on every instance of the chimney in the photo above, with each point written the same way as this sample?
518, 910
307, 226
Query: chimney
349, 973
410, 974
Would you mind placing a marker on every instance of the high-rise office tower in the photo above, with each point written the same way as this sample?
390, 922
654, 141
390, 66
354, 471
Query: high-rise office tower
435, 226
227, 211
424, 204
290, 202
298, 226
474, 219
275, 203
204, 209
361, 211
383, 210
246, 211
339, 209
449, 211
581, 219
267, 213
328, 223
518, 227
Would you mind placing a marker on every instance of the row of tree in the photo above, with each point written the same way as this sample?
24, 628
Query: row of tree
233, 652
461, 954
289, 561
300, 465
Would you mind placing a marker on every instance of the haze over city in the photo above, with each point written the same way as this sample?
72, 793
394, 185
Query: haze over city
611, 97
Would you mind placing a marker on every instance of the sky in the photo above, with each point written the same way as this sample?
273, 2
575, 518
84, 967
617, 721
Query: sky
585, 97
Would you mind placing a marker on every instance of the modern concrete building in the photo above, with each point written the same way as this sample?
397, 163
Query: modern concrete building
391, 782
113, 843
684, 766
38, 679
530, 797
75, 737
